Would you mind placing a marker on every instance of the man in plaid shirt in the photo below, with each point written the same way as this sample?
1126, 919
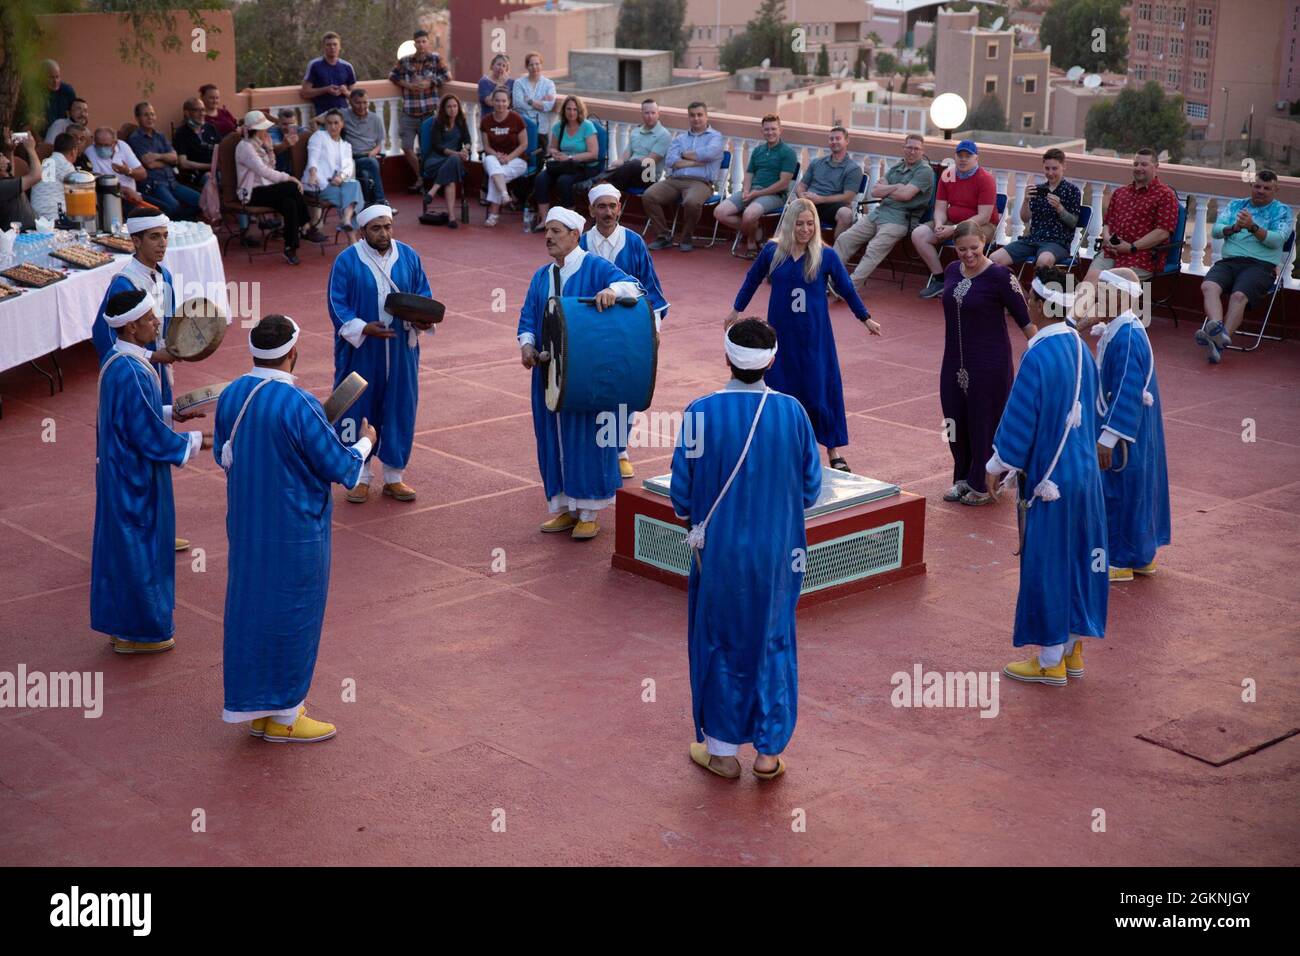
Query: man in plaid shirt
1140, 216
420, 77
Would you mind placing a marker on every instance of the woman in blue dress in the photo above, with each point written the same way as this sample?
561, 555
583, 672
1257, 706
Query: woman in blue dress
444, 167
798, 264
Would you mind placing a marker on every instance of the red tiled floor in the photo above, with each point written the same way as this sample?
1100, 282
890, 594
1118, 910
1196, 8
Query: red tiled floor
521, 691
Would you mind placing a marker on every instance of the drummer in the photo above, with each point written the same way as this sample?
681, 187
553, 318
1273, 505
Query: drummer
627, 250
579, 474
384, 351
144, 271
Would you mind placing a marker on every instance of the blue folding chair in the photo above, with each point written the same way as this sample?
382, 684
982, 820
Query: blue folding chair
718, 192
1080, 231
1272, 299
1173, 266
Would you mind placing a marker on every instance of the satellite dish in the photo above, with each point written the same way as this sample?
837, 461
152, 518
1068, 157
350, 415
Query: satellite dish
1092, 81
767, 61
1073, 74
997, 24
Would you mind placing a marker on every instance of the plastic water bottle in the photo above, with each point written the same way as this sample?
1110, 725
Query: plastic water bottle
528, 219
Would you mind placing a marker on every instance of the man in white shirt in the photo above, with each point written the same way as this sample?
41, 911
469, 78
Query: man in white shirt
109, 156
47, 195
78, 112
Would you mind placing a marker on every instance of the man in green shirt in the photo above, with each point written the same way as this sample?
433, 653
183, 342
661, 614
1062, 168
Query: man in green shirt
904, 197
767, 179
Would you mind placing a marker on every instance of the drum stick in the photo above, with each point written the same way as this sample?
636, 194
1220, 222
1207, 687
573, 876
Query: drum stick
622, 300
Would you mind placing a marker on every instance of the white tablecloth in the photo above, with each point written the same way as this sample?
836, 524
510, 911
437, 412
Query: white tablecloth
40, 321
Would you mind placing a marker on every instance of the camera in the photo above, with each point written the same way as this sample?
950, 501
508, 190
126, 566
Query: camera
1115, 240
1041, 190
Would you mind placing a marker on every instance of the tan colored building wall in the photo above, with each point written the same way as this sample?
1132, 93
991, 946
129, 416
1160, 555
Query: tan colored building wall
1071, 105
842, 25
822, 105
86, 48
552, 33
973, 63
1279, 143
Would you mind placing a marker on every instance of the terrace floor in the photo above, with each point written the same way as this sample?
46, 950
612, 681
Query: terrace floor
522, 691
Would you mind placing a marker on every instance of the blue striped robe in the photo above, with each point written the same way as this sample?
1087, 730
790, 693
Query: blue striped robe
741, 605
103, 335
634, 259
571, 460
391, 366
1137, 497
133, 560
1064, 576
285, 456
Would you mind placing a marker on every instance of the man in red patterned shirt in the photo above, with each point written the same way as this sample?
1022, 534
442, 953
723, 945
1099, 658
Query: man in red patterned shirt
1139, 216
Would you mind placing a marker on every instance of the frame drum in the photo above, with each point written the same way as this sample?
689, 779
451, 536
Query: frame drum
419, 310
197, 397
196, 330
343, 397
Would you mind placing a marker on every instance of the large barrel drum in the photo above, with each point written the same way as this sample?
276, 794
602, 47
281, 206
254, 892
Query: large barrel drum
599, 361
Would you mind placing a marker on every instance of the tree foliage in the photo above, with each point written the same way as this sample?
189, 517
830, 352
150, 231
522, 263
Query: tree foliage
769, 36
823, 62
1070, 28
1137, 118
989, 116
886, 64
654, 25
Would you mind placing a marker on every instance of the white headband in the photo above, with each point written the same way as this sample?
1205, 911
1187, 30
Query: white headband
144, 307
1119, 282
145, 223
1055, 296
278, 352
373, 212
602, 189
567, 217
747, 358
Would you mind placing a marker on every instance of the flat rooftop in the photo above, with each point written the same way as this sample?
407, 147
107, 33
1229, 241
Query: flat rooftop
522, 690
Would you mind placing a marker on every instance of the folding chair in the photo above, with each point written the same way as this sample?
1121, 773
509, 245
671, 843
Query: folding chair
1173, 260
1080, 230
789, 194
1283, 269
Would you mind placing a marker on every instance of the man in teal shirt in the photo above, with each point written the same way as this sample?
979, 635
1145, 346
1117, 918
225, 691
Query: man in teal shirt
767, 180
1253, 232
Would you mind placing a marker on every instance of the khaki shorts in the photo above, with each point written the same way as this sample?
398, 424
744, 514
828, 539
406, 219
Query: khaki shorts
1101, 264
408, 130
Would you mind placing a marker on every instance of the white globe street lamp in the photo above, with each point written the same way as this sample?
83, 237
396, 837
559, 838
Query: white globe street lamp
948, 111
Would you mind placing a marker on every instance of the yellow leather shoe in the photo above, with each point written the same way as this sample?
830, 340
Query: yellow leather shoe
182, 544
700, 755
143, 647
564, 521
359, 494
1147, 570
400, 490
1032, 672
585, 530
304, 731
1121, 574
1074, 661
625, 469
258, 727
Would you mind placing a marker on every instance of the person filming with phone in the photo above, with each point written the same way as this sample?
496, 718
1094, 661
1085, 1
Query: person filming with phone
1050, 213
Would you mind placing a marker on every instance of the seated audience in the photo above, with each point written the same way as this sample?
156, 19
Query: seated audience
261, 184
109, 156
449, 143
573, 154
195, 140
902, 200
1051, 211
160, 160
968, 193
14, 205
330, 171
47, 195
364, 131
831, 183
505, 138
1253, 231
284, 135
78, 112
222, 120
1139, 216
693, 160
59, 95
647, 145
771, 166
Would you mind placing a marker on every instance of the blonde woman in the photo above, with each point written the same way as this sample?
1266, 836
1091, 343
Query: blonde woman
797, 265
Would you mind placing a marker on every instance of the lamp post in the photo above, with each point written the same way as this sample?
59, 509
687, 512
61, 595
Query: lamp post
889, 103
1223, 133
948, 111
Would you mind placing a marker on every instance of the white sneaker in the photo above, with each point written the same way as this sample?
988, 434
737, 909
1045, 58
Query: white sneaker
491, 220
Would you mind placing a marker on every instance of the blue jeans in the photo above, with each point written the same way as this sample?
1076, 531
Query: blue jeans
177, 201
348, 194
372, 180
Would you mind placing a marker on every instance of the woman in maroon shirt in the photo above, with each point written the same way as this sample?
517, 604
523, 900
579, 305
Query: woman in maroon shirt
976, 374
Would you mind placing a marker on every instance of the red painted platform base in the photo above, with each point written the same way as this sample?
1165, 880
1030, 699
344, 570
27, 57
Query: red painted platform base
903, 507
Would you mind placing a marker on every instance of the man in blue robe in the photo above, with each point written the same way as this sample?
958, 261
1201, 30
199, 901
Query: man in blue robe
1131, 446
744, 492
132, 569
144, 271
385, 352
579, 472
627, 250
1047, 439
280, 455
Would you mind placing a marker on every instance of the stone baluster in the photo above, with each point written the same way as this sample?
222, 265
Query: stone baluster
1098, 203
1288, 281
1015, 202
1003, 178
1195, 260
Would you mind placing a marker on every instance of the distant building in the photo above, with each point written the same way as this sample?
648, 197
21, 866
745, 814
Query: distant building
467, 58
757, 92
551, 29
616, 73
1072, 102
1225, 58
974, 62
842, 25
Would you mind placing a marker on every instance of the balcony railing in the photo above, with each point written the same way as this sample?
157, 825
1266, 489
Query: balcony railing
1015, 168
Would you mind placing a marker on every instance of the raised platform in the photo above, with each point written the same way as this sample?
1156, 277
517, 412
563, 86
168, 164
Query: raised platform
862, 534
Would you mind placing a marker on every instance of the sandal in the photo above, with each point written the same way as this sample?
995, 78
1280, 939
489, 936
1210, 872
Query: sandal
956, 491
700, 754
975, 498
839, 464
773, 773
